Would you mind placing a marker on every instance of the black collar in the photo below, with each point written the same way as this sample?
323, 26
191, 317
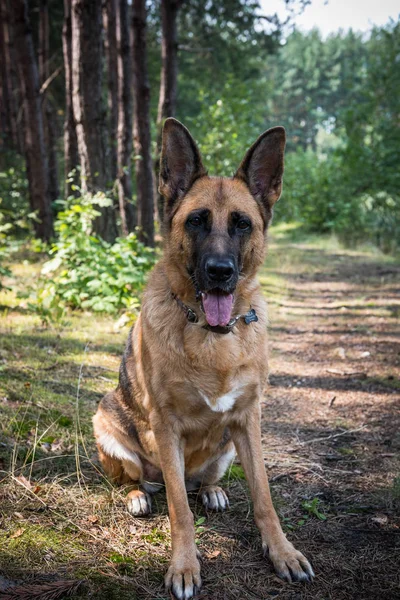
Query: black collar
192, 317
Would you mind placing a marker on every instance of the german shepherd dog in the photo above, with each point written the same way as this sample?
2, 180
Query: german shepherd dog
195, 365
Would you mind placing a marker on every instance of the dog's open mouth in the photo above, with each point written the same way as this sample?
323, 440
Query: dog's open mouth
217, 306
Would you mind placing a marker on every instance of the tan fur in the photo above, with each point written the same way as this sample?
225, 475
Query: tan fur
172, 366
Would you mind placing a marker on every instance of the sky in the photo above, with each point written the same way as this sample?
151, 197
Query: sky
331, 15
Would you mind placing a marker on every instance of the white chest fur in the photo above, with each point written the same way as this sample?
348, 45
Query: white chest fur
225, 402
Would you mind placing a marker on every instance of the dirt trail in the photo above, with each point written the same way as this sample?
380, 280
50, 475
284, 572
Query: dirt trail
331, 433
332, 418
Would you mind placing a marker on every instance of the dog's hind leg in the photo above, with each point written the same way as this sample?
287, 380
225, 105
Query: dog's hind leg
138, 501
212, 495
122, 465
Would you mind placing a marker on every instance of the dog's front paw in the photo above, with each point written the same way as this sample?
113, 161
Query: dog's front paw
138, 503
289, 563
183, 577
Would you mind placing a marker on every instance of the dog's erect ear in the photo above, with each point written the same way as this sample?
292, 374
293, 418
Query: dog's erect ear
180, 163
262, 167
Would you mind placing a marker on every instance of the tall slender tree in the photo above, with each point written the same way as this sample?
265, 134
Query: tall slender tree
10, 100
141, 124
35, 150
71, 157
5, 117
110, 38
126, 208
169, 77
47, 107
89, 113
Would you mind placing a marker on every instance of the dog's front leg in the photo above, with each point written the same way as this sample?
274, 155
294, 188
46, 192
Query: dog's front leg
289, 563
183, 576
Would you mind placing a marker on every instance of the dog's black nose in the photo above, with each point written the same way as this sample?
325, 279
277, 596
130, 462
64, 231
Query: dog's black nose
220, 269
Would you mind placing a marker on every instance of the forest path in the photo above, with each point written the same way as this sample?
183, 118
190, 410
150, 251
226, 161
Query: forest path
331, 417
331, 435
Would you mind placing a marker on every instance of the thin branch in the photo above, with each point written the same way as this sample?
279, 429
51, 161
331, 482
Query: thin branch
331, 437
190, 49
50, 79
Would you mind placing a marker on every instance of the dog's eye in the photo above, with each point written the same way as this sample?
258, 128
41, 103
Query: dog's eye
195, 221
243, 224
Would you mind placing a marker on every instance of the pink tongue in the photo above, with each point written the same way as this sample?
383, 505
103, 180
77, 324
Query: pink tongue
218, 308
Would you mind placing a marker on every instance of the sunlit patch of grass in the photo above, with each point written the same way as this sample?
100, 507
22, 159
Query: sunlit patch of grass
234, 473
34, 546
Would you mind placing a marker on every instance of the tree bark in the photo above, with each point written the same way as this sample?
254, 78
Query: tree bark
35, 150
169, 76
10, 97
5, 117
47, 108
110, 9
71, 157
126, 208
141, 125
89, 113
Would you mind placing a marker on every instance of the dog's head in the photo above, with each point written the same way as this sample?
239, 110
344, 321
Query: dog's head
215, 227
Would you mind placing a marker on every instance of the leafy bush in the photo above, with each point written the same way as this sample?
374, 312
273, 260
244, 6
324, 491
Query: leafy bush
85, 272
321, 193
4, 251
316, 194
14, 206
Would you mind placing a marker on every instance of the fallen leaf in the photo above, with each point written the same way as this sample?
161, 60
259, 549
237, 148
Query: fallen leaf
214, 554
380, 519
25, 482
93, 519
340, 352
17, 533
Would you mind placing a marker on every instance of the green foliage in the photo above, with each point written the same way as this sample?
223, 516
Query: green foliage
312, 508
155, 537
340, 101
224, 127
86, 272
317, 195
14, 208
4, 250
220, 42
234, 473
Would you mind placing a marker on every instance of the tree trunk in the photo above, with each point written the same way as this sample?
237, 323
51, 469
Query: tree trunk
10, 97
35, 150
5, 117
47, 108
89, 113
169, 75
126, 208
71, 157
141, 125
110, 9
